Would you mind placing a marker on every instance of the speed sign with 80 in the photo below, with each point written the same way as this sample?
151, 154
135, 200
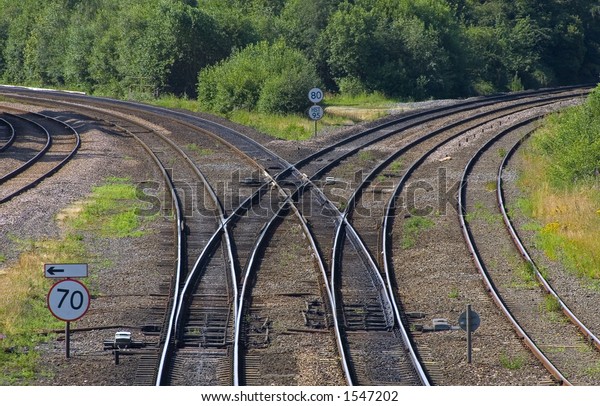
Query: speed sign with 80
68, 300
315, 95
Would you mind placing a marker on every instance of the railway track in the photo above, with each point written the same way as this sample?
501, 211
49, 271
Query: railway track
255, 219
514, 280
430, 162
35, 148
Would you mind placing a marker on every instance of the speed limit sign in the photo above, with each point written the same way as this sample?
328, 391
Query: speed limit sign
315, 112
315, 95
68, 300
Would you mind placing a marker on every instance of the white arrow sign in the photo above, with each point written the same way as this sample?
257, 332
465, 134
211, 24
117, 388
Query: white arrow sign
66, 270
68, 300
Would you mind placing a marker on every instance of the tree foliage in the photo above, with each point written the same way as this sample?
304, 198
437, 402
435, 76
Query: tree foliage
412, 49
570, 142
271, 78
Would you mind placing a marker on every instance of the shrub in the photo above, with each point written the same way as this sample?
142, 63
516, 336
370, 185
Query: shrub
267, 77
570, 142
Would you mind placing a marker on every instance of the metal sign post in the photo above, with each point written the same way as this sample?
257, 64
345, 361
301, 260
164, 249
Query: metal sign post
315, 112
469, 321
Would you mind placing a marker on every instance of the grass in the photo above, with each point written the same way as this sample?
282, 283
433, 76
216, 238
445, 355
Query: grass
199, 150
340, 111
111, 210
512, 363
23, 311
481, 212
567, 220
594, 370
453, 294
396, 166
412, 227
24, 316
551, 304
559, 177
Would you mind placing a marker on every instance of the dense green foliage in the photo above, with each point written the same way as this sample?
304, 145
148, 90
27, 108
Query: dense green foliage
270, 78
410, 49
570, 143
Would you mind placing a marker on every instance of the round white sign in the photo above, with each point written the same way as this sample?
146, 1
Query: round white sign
68, 300
315, 95
315, 112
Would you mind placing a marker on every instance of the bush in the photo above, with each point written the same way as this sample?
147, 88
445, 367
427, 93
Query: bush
271, 78
570, 142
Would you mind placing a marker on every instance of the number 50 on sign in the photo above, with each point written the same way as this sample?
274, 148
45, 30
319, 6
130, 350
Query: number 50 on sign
68, 300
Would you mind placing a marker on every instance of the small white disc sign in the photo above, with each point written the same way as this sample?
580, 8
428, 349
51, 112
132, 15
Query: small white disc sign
315, 112
315, 95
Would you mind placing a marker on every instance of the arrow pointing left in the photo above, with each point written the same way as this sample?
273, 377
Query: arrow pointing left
52, 270
66, 270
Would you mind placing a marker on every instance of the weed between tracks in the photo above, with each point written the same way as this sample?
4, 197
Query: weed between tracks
412, 227
512, 362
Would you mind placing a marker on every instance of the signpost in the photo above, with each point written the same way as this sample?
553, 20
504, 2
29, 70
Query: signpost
315, 112
68, 299
469, 321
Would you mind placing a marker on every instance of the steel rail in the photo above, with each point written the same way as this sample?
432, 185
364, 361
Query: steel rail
424, 114
195, 118
491, 288
263, 233
174, 318
525, 254
391, 202
11, 138
51, 171
33, 159
180, 221
250, 267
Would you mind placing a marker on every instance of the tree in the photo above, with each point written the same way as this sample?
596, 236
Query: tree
272, 78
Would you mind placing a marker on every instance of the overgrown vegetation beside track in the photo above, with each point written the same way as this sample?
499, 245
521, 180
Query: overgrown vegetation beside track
108, 213
560, 176
340, 110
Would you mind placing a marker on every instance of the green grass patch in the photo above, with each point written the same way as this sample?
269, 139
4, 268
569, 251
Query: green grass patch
343, 111
199, 150
551, 304
512, 363
396, 166
363, 100
24, 315
558, 175
481, 212
594, 370
412, 227
291, 127
111, 210
173, 102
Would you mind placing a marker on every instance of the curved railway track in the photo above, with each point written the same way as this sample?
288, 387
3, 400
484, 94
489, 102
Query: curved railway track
510, 273
37, 147
227, 275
